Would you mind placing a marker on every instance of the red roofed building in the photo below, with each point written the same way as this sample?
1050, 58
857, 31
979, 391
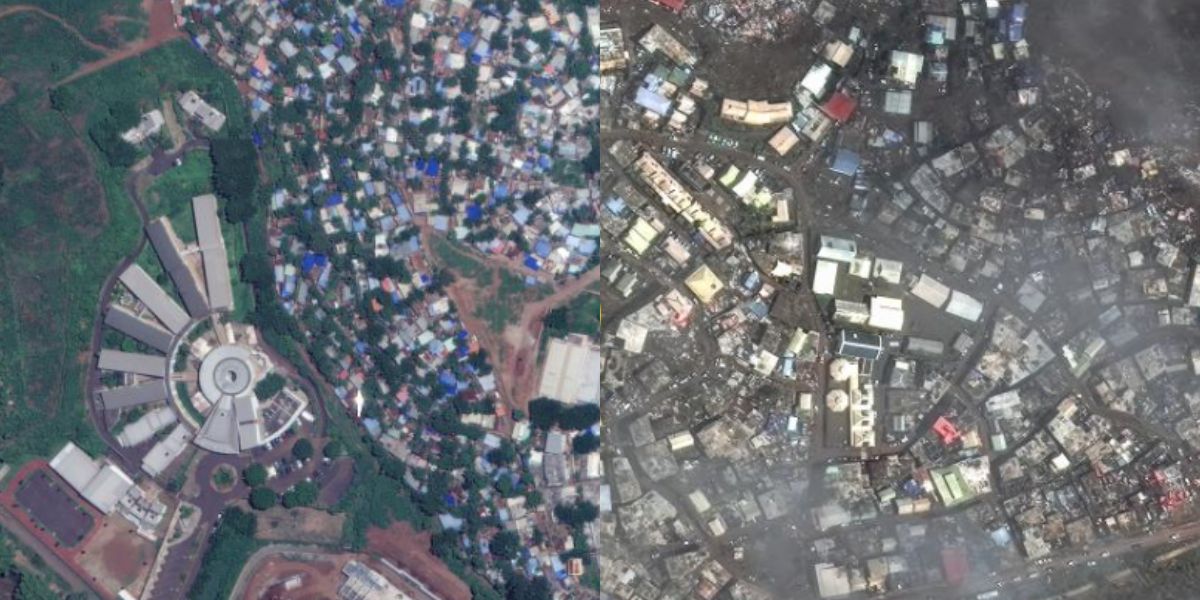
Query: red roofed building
673, 5
954, 565
840, 107
946, 430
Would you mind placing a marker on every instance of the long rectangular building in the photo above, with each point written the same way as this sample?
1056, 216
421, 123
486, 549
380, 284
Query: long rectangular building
155, 298
121, 319
166, 450
572, 370
100, 483
162, 237
133, 362
212, 247
134, 395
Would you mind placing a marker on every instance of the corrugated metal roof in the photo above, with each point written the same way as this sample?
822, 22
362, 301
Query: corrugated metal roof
156, 299
133, 362
161, 237
134, 395
121, 319
166, 451
107, 488
212, 246
74, 465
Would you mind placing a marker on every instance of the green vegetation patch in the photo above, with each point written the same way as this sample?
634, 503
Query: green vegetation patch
498, 313
232, 544
171, 193
462, 263
64, 225
97, 20
503, 307
37, 580
580, 315
37, 51
112, 99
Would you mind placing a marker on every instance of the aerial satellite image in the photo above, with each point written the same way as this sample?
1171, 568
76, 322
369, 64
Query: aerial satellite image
299, 299
900, 299
302, 299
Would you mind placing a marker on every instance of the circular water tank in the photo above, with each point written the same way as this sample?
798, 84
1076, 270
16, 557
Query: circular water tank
841, 370
837, 400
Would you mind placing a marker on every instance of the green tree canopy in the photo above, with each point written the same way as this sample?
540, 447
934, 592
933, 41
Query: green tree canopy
262, 498
254, 475
269, 386
302, 449
585, 443
334, 449
575, 515
505, 545
301, 494
235, 176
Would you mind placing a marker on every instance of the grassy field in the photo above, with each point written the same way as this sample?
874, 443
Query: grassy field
462, 263
105, 22
580, 315
64, 224
36, 50
171, 194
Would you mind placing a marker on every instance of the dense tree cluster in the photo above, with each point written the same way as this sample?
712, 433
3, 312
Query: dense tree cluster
235, 177
254, 475
263, 498
576, 515
269, 386
585, 443
231, 544
302, 449
545, 413
301, 494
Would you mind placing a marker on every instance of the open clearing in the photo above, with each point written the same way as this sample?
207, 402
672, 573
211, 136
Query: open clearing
117, 557
409, 550
310, 525
319, 579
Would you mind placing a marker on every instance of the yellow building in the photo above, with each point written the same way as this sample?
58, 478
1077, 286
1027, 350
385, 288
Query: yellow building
705, 284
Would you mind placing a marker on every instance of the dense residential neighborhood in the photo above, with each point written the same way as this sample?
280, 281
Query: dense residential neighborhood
894, 310
423, 146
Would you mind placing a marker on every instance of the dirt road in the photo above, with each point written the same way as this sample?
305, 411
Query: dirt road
162, 30
514, 351
519, 364
27, 8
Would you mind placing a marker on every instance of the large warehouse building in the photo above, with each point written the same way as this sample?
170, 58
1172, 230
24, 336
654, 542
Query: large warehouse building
100, 483
572, 370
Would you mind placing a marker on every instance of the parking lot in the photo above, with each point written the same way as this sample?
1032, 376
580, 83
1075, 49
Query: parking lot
52, 507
